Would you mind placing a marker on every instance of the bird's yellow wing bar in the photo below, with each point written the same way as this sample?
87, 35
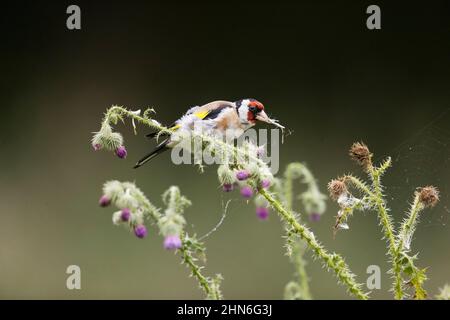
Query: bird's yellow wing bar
202, 114
198, 114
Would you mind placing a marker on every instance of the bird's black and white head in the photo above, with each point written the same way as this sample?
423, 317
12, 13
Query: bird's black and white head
251, 110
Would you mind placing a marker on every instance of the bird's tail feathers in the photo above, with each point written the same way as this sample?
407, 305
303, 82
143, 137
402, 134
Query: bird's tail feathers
151, 135
158, 150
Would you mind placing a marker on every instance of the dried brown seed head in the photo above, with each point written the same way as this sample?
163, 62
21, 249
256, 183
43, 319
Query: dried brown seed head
429, 196
360, 153
336, 188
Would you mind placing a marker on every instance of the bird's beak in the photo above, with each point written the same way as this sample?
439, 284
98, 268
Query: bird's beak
262, 116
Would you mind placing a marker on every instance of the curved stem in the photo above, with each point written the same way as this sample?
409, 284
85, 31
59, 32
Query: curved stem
388, 232
302, 275
297, 255
332, 261
208, 285
195, 269
406, 231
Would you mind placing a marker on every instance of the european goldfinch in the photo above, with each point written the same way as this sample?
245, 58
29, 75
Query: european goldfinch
216, 118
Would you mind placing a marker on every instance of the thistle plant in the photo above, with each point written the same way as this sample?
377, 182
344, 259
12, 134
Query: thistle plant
135, 211
314, 206
241, 167
371, 196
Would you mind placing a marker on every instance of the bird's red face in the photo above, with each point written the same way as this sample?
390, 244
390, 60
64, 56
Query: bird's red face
254, 108
251, 110
256, 112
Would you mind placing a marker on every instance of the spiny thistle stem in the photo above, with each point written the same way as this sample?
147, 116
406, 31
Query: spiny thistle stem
409, 225
332, 261
314, 205
296, 255
189, 261
388, 228
212, 292
303, 280
115, 111
299, 289
405, 231
382, 211
398, 243
377, 197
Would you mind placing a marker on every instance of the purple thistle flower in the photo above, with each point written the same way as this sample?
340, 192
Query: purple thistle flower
247, 192
121, 152
228, 187
314, 217
140, 231
265, 183
96, 146
262, 213
172, 243
242, 175
104, 201
125, 215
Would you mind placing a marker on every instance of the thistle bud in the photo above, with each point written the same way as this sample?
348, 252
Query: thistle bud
116, 218
172, 243
360, 153
226, 176
336, 188
428, 196
106, 138
228, 187
265, 183
262, 213
247, 192
125, 215
121, 152
242, 175
140, 231
104, 201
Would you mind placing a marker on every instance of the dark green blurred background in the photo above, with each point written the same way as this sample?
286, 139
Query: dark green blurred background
314, 65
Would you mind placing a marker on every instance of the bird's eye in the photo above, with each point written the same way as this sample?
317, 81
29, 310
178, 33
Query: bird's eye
252, 109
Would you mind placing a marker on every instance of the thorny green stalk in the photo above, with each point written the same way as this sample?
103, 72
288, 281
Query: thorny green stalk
387, 227
409, 225
299, 288
398, 243
331, 261
383, 215
376, 197
395, 248
406, 231
209, 286
314, 203
176, 204
404, 240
